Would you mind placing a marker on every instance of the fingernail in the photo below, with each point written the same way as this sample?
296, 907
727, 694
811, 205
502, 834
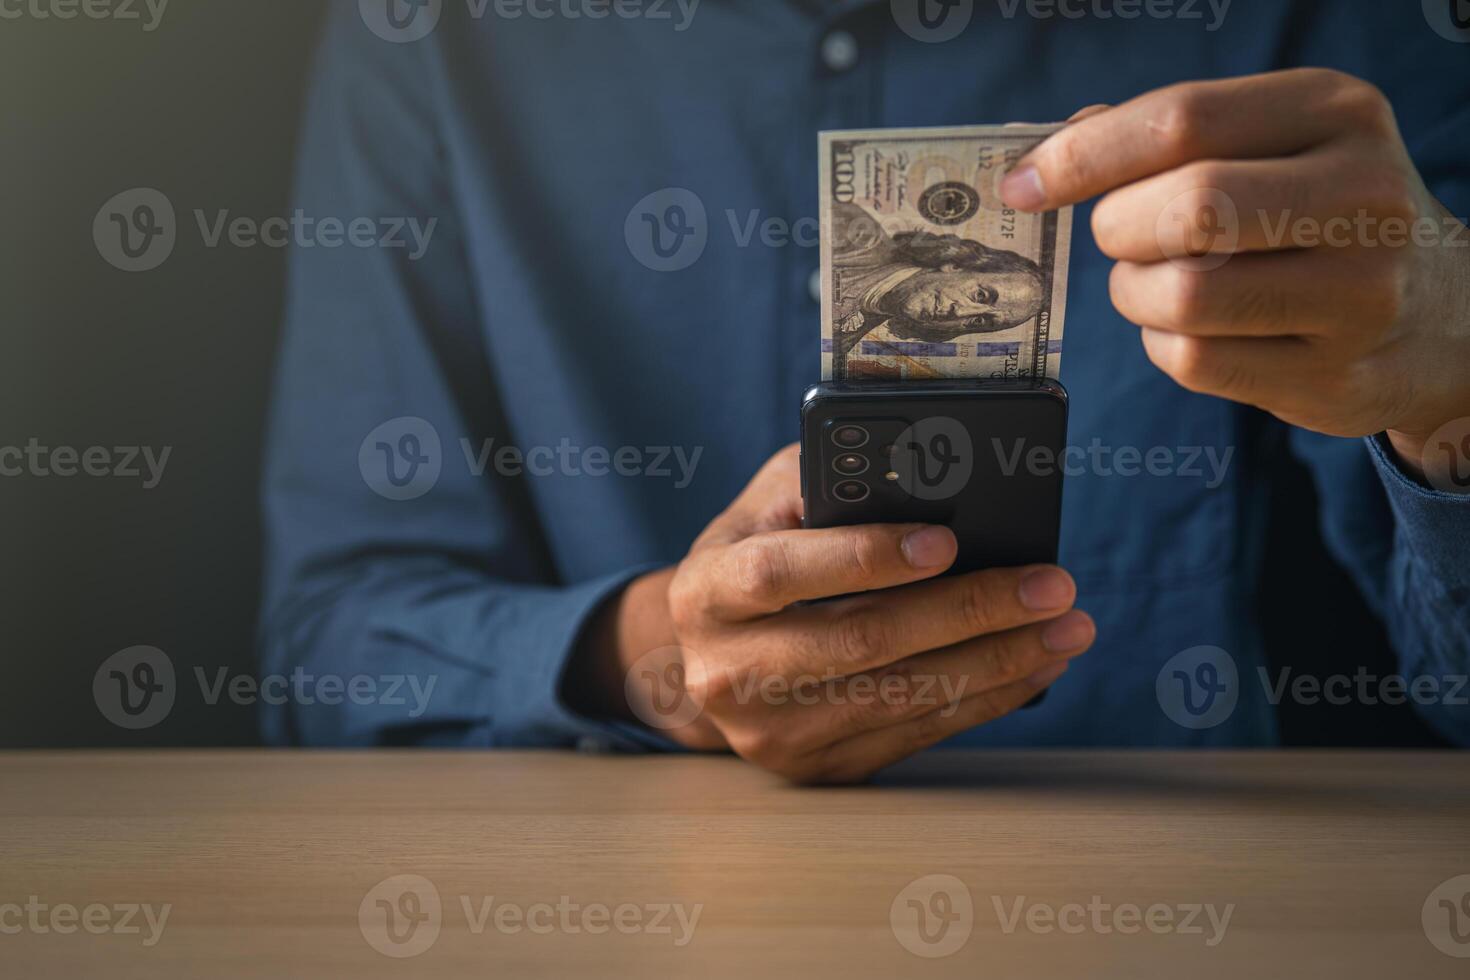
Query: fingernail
1046, 675
929, 547
1022, 189
1046, 588
1066, 633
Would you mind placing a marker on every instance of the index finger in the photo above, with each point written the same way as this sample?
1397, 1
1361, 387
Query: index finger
1269, 115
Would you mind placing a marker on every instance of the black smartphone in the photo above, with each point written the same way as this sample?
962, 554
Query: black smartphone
983, 457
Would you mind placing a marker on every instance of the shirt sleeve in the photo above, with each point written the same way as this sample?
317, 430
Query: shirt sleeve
1406, 546
423, 590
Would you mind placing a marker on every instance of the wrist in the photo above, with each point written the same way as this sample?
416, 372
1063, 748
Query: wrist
1410, 451
1440, 459
628, 625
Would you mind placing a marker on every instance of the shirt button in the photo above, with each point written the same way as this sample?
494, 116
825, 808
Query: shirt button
839, 51
814, 285
594, 745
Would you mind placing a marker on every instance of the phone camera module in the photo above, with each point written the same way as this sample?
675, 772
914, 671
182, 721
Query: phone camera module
850, 491
850, 436
850, 464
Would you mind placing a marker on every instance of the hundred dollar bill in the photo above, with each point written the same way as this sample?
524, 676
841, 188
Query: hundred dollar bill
925, 273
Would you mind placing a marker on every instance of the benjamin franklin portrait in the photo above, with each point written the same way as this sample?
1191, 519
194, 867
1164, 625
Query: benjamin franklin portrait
923, 286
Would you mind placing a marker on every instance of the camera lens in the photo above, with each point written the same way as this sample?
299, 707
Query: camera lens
850, 491
850, 436
850, 464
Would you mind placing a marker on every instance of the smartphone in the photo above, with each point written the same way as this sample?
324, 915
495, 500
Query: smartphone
981, 457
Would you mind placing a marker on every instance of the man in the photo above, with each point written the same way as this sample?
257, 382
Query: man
926, 287
542, 598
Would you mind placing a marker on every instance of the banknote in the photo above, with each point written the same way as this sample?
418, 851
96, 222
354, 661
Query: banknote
925, 272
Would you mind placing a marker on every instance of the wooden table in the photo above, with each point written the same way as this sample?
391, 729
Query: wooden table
564, 865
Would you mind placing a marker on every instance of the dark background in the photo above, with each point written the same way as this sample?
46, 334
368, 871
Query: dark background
205, 109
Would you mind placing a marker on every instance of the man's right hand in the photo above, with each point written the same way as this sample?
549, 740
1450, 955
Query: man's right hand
834, 691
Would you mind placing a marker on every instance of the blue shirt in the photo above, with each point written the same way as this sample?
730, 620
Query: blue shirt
405, 541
